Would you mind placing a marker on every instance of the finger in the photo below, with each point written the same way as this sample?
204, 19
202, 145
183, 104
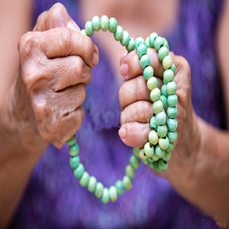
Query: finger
140, 111
135, 90
134, 134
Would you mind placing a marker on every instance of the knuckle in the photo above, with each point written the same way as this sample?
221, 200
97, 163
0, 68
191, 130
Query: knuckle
89, 48
58, 7
81, 93
140, 90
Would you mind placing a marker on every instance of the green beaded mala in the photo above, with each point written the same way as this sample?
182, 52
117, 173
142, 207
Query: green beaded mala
157, 151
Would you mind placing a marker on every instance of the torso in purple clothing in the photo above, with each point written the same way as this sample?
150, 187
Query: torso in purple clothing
54, 197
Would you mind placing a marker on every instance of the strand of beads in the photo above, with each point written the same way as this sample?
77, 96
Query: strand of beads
157, 151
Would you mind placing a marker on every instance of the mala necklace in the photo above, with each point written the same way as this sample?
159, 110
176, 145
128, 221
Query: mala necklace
157, 151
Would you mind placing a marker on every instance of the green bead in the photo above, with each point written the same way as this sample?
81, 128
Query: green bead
162, 165
155, 167
149, 150
104, 23
167, 62
172, 136
170, 148
136, 152
172, 100
168, 75
166, 44
164, 90
74, 150
96, 23
119, 33
153, 124
127, 182
157, 106
105, 196
130, 172
84, 179
172, 112
159, 152
134, 162
150, 164
72, 141
88, 28
173, 68
152, 39
155, 94
142, 154
147, 42
83, 31
155, 158
99, 189
172, 124
167, 156
92, 184
171, 88
131, 45
74, 162
150, 160
162, 131
151, 83
144, 161
144, 61
148, 72
113, 25
164, 101
153, 137
158, 43
141, 50
162, 53
113, 193
119, 187
164, 143
161, 118
78, 172
125, 38
138, 41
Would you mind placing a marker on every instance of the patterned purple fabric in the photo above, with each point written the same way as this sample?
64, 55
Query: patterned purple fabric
54, 198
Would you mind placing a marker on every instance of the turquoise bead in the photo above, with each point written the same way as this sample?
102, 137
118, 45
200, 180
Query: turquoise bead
72, 141
168, 75
155, 94
153, 124
155, 158
113, 25
155, 167
172, 124
92, 184
136, 152
172, 112
113, 193
162, 53
162, 165
78, 172
134, 162
142, 154
164, 101
141, 50
130, 172
83, 31
167, 62
74, 162
88, 28
138, 41
150, 164
164, 143
125, 38
158, 43
173, 68
171, 88
150, 160
172, 136
153, 137
159, 152
170, 148
152, 39
99, 190
151, 83
161, 118
162, 131
164, 90
157, 106
104, 23
167, 156
172, 100
144, 61
149, 150
148, 72
147, 42
96, 23
166, 44
74, 150
131, 45
119, 33
119, 187
84, 180
127, 182
105, 196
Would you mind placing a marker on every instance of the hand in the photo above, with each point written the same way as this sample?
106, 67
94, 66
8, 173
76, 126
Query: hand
137, 110
55, 67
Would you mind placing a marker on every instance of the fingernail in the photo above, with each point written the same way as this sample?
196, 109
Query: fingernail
95, 59
124, 70
73, 26
122, 133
